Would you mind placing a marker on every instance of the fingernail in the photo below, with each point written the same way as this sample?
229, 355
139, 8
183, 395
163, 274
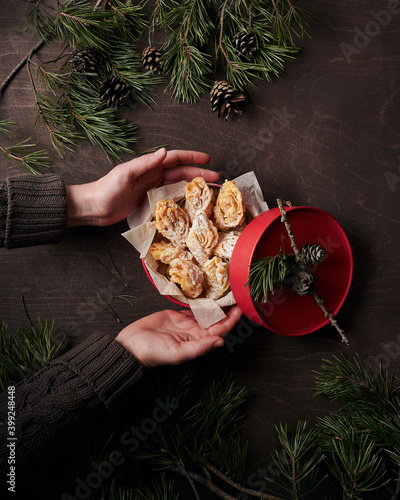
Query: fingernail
219, 343
159, 152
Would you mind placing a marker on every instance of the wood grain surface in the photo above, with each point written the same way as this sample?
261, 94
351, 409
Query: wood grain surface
325, 135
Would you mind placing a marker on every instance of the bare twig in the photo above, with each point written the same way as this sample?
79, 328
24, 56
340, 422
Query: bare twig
186, 474
207, 483
289, 230
294, 474
328, 315
221, 31
14, 72
237, 486
250, 16
318, 300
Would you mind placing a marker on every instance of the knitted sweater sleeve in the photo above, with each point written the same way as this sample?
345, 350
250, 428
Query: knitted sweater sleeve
53, 404
33, 210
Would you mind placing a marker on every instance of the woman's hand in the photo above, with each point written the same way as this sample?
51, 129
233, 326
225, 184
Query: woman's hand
114, 196
173, 337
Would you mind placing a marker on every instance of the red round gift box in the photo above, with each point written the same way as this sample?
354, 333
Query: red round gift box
287, 313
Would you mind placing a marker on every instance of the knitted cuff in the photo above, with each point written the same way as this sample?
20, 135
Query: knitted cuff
105, 366
37, 210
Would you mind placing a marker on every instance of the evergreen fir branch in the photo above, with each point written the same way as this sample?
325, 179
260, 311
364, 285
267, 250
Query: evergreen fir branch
21, 154
267, 273
348, 380
101, 125
29, 350
160, 489
5, 126
187, 21
289, 20
53, 80
188, 68
77, 24
40, 20
129, 18
232, 454
187, 26
54, 116
355, 465
297, 464
125, 63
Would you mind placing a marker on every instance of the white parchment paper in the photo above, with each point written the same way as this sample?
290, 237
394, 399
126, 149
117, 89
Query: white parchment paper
142, 231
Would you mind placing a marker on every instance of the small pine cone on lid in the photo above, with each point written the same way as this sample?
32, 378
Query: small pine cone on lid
312, 254
114, 92
303, 283
151, 60
245, 43
225, 99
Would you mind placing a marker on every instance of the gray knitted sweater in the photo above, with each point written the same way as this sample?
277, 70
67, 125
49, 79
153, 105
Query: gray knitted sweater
52, 404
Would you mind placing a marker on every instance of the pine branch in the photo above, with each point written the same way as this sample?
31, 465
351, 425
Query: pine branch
298, 462
21, 154
52, 113
101, 125
267, 273
28, 350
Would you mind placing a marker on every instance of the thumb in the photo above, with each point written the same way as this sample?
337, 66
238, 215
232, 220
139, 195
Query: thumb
147, 162
196, 348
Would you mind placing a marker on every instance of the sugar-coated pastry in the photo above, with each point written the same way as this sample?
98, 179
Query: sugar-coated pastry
165, 252
199, 196
188, 275
229, 208
217, 277
172, 222
226, 244
202, 237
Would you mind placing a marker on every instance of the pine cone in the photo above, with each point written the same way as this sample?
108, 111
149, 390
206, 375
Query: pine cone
312, 254
114, 92
84, 61
303, 283
151, 60
245, 43
226, 99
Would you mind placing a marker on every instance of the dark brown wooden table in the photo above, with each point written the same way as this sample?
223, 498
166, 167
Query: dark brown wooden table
325, 135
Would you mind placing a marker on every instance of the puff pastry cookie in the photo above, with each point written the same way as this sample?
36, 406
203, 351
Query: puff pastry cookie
217, 277
188, 276
198, 197
229, 208
226, 244
202, 237
165, 252
172, 222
